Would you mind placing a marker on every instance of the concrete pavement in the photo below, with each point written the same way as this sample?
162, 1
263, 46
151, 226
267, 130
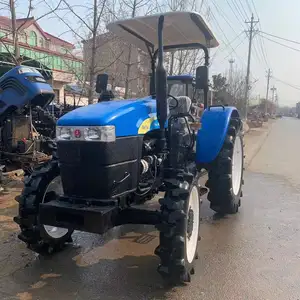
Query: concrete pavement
252, 255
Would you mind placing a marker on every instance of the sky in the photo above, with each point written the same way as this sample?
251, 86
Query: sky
227, 20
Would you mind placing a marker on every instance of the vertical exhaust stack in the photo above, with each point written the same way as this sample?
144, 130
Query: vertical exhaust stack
161, 80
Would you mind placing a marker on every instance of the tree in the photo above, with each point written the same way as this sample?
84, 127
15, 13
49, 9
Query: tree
90, 23
230, 94
236, 88
219, 83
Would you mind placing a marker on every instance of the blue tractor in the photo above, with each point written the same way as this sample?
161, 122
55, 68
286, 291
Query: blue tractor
26, 128
114, 155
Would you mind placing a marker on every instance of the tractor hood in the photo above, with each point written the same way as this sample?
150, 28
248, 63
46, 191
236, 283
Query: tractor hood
130, 117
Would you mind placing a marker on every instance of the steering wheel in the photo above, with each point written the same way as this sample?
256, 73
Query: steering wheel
176, 100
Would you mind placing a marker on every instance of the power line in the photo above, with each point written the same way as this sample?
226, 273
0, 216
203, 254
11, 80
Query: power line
230, 44
223, 15
234, 12
226, 38
243, 8
286, 83
281, 38
280, 44
254, 8
249, 6
260, 40
256, 52
238, 9
235, 48
262, 47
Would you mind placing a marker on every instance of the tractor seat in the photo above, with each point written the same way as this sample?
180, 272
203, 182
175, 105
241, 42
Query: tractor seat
184, 105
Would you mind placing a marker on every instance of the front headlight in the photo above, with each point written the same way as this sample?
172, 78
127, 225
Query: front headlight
63, 133
84, 133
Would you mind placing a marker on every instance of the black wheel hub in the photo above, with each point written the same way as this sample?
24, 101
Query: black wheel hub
190, 223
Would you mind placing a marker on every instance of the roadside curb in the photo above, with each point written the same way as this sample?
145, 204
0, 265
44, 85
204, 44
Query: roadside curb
246, 127
258, 145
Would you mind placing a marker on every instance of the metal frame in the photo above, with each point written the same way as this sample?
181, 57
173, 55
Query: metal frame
153, 53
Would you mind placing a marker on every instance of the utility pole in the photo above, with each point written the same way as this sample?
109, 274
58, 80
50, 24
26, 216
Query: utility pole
251, 31
276, 103
273, 89
231, 62
268, 85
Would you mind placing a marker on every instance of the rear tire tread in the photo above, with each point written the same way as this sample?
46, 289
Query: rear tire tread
221, 194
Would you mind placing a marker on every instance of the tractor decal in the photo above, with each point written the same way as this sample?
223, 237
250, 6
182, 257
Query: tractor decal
146, 125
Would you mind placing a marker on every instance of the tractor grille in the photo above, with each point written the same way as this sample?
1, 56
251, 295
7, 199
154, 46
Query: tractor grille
91, 169
12, 83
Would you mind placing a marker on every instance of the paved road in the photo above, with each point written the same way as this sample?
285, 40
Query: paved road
252, 255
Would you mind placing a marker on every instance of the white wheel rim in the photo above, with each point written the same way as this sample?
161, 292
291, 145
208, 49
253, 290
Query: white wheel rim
192, 241
237, 165
55, 186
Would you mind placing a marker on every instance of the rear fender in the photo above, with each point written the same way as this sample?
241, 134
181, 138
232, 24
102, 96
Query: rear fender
211, 136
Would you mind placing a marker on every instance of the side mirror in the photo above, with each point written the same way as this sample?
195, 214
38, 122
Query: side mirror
202, 78
102, 82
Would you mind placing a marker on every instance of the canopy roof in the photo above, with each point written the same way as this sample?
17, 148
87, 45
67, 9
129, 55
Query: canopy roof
181, 30
181, 77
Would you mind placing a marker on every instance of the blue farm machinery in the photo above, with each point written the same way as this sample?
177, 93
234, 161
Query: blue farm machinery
111, 156
26, 128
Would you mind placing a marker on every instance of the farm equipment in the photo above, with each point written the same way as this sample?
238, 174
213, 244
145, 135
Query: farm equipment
26, 128
114, 155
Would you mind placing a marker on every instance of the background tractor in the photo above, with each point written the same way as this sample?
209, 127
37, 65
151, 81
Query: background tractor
26, 128
28, 116
115, 154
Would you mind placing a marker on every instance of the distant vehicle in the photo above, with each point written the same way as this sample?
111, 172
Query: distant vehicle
298, 110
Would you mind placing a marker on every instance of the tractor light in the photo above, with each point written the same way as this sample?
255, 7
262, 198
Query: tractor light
83, 133
101, 133
63, 133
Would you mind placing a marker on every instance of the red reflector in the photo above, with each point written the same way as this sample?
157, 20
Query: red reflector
77, 133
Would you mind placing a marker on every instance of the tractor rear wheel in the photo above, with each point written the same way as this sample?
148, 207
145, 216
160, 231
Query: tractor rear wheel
179, 231
225, 175
43, 185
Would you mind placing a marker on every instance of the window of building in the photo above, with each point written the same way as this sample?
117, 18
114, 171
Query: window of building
49, 62
23, 37
59, 63
32, 39
47, 45
63, 50
41, 42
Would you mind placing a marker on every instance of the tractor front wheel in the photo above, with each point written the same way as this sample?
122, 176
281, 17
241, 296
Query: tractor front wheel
179, 231
42, 186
